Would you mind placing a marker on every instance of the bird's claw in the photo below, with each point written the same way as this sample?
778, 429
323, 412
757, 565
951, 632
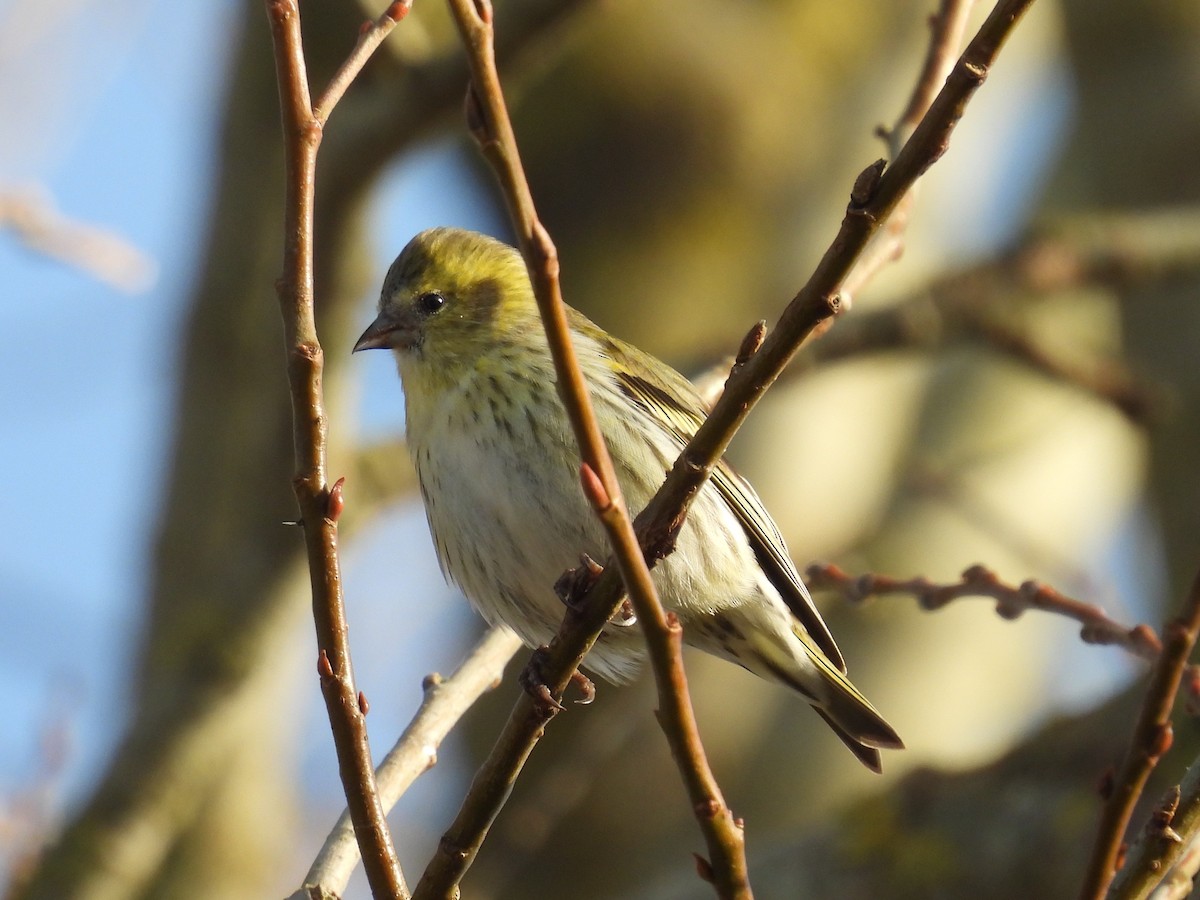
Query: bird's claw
533, 680
585, 686
624, 616
572, 586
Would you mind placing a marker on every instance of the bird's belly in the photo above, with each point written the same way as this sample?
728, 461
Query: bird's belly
508, 517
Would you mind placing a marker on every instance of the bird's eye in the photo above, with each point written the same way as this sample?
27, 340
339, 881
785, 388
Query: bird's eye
430, 302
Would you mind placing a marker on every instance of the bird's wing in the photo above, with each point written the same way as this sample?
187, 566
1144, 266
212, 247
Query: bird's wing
670, 398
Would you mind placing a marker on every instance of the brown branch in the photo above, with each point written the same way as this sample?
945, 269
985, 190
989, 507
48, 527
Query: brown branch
1011, 602
924, 323
320, 505
369, 39
871, 204
946, 29
445, 701
1176, 823
975, 304
1151, 738
489, 121
726, 868
1116, 251
1167, 852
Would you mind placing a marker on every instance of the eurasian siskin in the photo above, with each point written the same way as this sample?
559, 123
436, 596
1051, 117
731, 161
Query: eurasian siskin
498, 468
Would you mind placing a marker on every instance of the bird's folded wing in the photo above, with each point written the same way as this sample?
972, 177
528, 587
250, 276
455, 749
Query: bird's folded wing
675, 403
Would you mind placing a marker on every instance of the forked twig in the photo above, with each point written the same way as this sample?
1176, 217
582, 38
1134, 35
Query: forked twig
320, 503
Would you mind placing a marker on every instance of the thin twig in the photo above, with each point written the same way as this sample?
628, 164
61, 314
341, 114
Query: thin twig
490, 124
946, 30
1151, 738
724, 835
1113, 251
320, 504
947, 27
926, 323
873, 200
369, 39
1011, 601
444, 703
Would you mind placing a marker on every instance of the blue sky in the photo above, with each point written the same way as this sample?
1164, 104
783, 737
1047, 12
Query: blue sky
122, 139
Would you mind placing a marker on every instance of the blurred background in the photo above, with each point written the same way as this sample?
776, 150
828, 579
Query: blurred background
1020, 390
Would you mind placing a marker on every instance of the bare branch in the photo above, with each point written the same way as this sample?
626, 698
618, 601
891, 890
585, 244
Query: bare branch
1011, 602
1166, 856
446, 700
818, 300
1152, 737
321, 504
946, 29
369, 39
1115, 251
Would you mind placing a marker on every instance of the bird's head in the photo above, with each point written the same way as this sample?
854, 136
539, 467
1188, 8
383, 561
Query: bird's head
451, 296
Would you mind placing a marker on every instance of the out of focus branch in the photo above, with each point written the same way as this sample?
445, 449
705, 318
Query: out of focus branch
946, 29
30, 215
1116, 251
1011, 601
446, 700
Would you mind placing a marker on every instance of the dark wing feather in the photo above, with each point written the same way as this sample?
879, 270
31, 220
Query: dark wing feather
671, 398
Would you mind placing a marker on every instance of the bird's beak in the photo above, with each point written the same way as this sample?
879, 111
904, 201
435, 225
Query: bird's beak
388, 331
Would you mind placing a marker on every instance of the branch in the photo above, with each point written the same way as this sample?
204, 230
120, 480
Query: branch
369, 39
1166, 854
875, 196
445, 702
974, 304
946, 29
1011, 602
1152, 737
321, 505
491, 127
30, 215
1115, 251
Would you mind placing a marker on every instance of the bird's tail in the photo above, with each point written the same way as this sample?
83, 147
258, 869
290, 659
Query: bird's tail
835, 698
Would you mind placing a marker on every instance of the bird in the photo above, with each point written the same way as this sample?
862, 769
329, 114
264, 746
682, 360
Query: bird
498, 469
